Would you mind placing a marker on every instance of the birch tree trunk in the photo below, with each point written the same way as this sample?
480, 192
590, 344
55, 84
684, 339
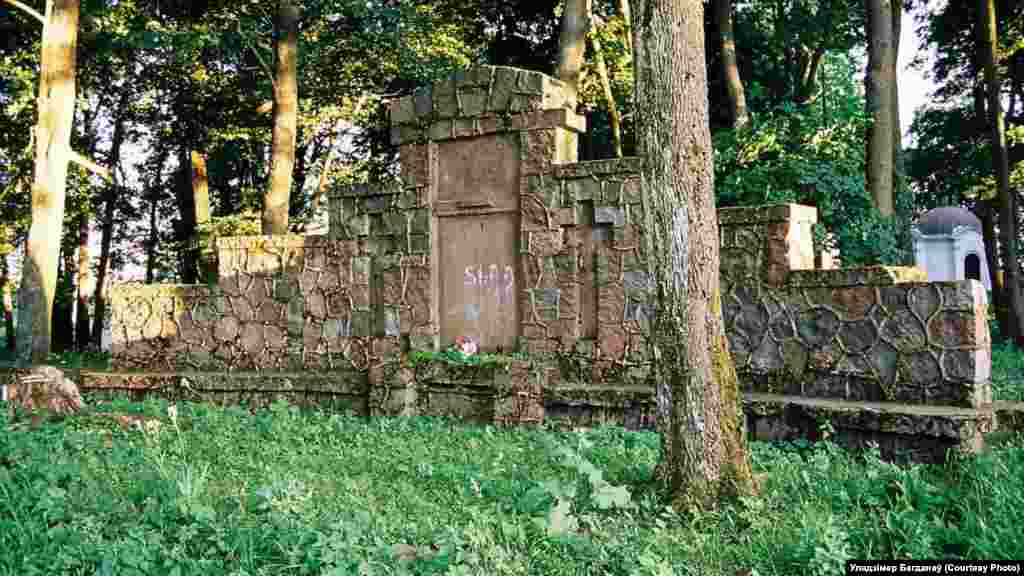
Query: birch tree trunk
286, 109
56, 108
698, 403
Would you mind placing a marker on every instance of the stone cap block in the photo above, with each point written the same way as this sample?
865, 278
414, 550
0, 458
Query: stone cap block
267, 243
495, 93
363, 189
954, 423
745, 216
480, 91
454, 128
868, 276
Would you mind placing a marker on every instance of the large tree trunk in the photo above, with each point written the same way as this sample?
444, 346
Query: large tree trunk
286, 109
730, 67
881, 74
572, 40
107, 224
987, 38
56, 107
698, 402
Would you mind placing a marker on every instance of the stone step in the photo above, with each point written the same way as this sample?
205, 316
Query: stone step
1010, 416
345, 391
902, 431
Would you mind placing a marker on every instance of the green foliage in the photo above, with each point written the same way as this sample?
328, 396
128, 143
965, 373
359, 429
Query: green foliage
812, 155
1007, 370
196, 489
245, 223
452, 355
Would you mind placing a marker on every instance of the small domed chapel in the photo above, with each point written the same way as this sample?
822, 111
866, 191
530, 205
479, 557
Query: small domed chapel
948, 245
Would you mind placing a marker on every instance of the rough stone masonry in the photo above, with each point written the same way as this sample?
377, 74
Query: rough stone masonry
495, 232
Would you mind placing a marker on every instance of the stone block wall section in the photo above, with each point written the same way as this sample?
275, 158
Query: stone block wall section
287, 303
867, 334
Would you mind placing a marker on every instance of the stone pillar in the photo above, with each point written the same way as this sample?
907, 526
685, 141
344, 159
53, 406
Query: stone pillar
474, 148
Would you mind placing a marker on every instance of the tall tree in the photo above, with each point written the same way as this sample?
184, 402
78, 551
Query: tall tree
110, 198
880, 77
988, 40
730, 66
572, 40
286, 110
8, 302
53, 152
698, 401
606, 89
903, 202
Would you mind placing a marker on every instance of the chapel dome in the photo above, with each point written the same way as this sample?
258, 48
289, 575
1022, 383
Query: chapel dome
942, 221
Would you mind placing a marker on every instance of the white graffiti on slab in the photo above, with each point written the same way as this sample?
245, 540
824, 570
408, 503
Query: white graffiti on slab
491, 280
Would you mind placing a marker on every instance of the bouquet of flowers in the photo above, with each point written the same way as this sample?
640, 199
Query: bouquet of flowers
466, 345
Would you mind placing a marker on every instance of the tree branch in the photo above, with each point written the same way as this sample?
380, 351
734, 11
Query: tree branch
252, 46
29, 10
91, 166
76, 158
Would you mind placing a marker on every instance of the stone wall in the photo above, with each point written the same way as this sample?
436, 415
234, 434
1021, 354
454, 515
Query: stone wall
869, 334
281, 303
494, 232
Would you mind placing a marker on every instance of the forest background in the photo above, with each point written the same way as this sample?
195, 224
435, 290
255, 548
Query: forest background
169, 89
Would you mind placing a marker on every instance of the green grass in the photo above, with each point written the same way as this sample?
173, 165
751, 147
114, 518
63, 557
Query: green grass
1007, 372
280, 491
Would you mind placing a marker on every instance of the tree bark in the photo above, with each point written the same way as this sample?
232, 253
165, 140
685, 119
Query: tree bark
107, 225
82, 309
730, 67
8, 303
201, 201
988, 39
152, 241
286, 109
186, 231
878, 96
624, 12
56, 108
572, 40
63, 324
807, 74
900, 189
698, 402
